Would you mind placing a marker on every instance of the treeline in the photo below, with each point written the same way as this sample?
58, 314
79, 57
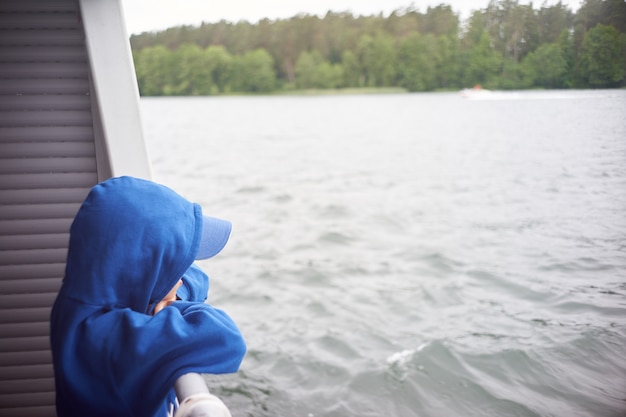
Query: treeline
507, 45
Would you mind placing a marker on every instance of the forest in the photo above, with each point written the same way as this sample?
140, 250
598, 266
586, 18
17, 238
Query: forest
506, 45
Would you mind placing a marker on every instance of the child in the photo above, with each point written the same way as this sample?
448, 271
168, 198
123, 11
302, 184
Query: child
120, 339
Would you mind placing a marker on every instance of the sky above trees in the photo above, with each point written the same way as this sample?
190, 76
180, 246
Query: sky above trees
150, 15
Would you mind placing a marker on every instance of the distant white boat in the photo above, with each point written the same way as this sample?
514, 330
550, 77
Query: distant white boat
475, 92
479, 93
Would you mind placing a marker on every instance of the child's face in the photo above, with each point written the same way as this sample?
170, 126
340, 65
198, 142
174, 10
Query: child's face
169, 298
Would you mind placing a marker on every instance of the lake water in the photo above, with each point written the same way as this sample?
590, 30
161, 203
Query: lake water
412, 254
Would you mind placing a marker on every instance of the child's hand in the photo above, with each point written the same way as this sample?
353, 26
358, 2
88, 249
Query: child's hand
168, 299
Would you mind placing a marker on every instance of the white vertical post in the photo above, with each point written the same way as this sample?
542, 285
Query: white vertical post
116, 92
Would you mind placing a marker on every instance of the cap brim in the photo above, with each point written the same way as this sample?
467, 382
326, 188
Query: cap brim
215, 234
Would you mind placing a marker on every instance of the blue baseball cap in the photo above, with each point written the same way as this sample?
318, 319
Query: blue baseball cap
215, 234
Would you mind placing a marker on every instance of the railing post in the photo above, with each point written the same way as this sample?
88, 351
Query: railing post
196, 400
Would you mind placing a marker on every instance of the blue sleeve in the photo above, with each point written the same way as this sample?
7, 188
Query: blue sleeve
155, 351
195, 285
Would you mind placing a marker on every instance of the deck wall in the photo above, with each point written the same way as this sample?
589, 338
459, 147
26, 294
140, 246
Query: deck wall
53, 149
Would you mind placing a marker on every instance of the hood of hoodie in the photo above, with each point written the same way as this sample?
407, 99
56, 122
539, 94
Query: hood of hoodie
130, 242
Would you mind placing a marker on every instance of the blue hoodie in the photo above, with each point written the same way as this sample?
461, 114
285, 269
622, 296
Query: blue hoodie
130, 243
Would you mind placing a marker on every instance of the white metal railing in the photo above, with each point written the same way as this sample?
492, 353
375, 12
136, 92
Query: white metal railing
196, 400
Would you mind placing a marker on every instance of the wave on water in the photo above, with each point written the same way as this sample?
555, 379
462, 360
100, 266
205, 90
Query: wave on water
433, 379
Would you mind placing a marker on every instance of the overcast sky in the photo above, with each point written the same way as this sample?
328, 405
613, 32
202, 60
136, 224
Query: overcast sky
150, 15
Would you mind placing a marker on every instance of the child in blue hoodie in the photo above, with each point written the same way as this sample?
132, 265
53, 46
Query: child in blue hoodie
130, 317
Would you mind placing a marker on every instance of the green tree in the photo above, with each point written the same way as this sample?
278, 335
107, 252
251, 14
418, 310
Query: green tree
329, 75
602, 61
615, 14
512, 76
312, 71
440, 20
306, 67
477, 24
285, 49
193, 72
552, 21
253, 72
402, 23
220, 63
417, 62
352, 76
505, 45
568, 49
547, 66
382, 67
448, 62
484, 63
606, 12
365, 58
512, 27
377, 58
154, 67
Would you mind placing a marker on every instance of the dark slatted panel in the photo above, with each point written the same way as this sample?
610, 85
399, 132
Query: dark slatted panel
47, 166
